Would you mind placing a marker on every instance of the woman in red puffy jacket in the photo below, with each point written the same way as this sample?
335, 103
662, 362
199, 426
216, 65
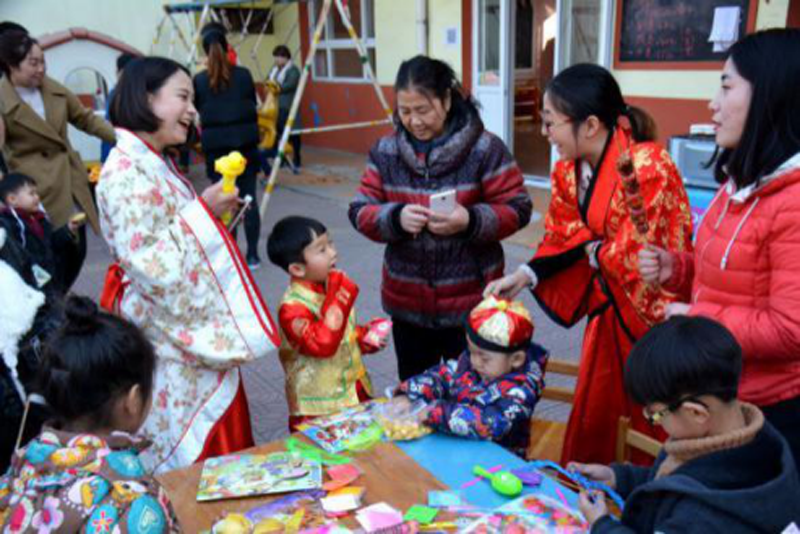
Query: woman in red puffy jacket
744, 271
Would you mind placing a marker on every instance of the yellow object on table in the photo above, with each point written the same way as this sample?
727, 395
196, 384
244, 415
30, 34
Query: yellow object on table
230, 167
403, 429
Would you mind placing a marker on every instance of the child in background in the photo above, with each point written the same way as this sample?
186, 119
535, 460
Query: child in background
724, 468
491, 390
321, 344
26, 222
84, 473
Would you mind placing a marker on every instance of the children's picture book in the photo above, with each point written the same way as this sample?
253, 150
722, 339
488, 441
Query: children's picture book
245, 475
339, 432
531, 513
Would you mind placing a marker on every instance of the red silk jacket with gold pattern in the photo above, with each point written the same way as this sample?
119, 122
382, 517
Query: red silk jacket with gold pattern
569, 287
321, 346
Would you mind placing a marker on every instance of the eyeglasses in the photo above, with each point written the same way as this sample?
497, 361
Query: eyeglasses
655, 417
548, 126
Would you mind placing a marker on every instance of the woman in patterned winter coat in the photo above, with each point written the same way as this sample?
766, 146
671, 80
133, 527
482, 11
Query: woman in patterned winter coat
436, 264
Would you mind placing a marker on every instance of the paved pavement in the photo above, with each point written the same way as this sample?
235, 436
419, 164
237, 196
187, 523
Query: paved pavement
323, 190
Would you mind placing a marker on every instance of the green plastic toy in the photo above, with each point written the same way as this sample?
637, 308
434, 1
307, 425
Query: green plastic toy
503, 482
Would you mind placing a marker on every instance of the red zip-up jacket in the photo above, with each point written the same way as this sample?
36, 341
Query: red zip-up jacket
745, 273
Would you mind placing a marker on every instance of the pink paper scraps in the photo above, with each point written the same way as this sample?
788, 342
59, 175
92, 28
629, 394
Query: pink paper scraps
341, 476
378, 516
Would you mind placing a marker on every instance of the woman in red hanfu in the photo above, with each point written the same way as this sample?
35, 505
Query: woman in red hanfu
587, 263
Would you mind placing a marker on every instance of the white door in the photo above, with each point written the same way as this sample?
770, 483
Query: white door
493, 26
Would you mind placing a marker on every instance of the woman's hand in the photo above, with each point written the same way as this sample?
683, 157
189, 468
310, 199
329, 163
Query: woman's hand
676, 308
219, 202
509, 286
414, 217
592, 505
445, 225
655, 265
596, 472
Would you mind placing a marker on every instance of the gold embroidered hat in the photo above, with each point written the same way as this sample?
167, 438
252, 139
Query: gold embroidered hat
500, 325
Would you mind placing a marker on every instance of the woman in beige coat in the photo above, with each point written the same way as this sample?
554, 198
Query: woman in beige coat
35, 112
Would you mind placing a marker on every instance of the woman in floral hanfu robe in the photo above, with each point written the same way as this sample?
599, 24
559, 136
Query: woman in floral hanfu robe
179, 275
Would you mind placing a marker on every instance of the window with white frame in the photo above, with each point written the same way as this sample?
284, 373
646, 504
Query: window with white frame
337, 56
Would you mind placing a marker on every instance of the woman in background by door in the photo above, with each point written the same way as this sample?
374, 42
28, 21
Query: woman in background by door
286, 74
586, 264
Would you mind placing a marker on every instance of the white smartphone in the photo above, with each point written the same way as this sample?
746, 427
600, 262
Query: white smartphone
443, 203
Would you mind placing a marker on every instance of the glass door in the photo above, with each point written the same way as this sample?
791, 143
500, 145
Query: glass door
492, 25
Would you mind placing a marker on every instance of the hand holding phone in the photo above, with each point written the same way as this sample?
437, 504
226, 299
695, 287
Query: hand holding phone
443, 202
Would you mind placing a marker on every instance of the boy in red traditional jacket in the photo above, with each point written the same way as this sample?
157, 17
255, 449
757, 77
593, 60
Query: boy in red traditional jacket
321, 344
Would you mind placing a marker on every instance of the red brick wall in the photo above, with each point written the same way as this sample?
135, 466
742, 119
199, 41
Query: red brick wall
673, 116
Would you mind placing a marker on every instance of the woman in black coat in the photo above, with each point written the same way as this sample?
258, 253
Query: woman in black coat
225, 97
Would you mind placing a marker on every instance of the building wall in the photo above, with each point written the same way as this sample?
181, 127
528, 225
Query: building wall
679, 98
330, 103
287, 32
133, 22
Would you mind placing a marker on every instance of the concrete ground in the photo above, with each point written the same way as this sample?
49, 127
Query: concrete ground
323, 190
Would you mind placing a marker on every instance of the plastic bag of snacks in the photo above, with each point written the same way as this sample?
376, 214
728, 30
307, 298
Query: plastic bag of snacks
402, 422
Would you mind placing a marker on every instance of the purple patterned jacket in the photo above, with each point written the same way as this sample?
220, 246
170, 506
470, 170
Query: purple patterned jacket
466, 406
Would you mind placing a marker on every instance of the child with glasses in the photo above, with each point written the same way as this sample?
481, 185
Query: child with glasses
723, 468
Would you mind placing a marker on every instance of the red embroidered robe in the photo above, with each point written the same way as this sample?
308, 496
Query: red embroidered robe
620, 307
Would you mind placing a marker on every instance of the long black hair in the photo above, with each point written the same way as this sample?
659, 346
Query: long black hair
585, 89
770, 61
91, 360
436, 79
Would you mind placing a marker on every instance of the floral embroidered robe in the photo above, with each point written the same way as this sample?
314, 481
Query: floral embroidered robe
190, 291
619, 305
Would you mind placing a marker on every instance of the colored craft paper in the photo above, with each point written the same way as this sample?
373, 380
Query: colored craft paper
421, 514
442, 499
378, 516
341, 476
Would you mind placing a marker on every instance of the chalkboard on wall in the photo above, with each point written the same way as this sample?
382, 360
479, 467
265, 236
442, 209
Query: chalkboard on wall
672, 30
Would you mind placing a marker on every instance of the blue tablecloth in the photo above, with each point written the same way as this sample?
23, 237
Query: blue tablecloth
451, 460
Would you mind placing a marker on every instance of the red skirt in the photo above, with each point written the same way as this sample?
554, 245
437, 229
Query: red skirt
600, 398
232, 433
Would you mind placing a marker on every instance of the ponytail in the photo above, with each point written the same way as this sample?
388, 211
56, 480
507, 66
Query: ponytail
643, 126
586, 90
219, 68
215, 46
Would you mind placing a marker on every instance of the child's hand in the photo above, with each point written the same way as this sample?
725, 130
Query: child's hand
596, 472
592, 505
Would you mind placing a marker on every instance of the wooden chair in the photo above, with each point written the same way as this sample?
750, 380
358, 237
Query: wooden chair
547, 437
628, 438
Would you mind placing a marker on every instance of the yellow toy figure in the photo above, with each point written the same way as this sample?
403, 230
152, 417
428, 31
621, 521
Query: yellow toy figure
230, 167
268, 120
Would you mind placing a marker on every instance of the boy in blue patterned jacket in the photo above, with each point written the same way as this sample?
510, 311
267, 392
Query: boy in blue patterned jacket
491, 390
